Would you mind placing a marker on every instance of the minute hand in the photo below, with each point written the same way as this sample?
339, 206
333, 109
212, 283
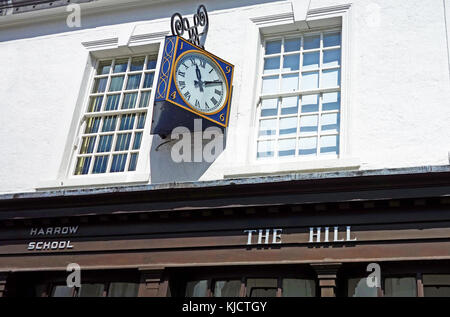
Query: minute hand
212, 82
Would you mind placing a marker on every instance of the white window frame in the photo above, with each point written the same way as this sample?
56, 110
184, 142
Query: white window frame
117, 113
66, 179
320, 19
298, 93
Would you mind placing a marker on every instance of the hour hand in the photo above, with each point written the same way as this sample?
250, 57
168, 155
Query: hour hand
199, 77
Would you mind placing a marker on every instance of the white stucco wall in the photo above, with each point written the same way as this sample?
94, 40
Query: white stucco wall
397, 105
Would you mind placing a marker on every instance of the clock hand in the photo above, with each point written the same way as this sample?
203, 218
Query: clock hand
199, 77
212, 82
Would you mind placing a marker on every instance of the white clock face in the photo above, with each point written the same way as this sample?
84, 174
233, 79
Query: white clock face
201, 82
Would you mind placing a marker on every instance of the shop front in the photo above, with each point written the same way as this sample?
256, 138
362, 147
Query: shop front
379, 233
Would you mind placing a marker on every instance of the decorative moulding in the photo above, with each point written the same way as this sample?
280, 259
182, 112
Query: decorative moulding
147, 38
101, 44
275, 19
300, 9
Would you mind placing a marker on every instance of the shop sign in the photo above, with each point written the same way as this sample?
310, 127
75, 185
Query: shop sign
51, 231
316, 235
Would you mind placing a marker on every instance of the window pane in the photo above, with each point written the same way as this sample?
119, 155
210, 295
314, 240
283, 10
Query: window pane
311, 60
118, 163
104, 144
137, 141
121, 65
148, 82
293, 287
308, 124
123, 142
357, 287
286, 147
311, 42
332, 39
269, 107
196, 288
330, 122
331, 78
400, 287
310, 80
270, 84
112, 102
133, 162
127, 122
129, 101
227, 288
273, 47
267, 127
331, 58
104, 67
112, 82
272, 65
263, 287
331, 101
289, 82
289, 105
291, 45
133, 81
118, 289
91, 290
288, 126
266, 148
92, 125
99, 85
307, 146
141, 121
100, 164
109, 123
87, 146
82, 167
137, 63
151, 63
329, 144
95, 104
291, 62
116, 83
145, 97
62, 291
310, 103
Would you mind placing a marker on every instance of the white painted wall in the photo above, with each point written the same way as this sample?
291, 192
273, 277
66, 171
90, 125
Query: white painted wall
398, 98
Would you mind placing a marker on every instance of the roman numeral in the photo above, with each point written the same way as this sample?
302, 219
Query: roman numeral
218, 92
202, 63
187, 94
182, 84
211, 70
206, 105
197, 104
214, 101
182, 74
192, 61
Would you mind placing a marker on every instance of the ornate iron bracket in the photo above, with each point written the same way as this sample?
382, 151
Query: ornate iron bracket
179, 25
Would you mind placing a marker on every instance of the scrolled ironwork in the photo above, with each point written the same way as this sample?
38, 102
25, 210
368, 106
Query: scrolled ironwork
179, 25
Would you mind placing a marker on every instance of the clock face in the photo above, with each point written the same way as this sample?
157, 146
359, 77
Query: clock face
201, 82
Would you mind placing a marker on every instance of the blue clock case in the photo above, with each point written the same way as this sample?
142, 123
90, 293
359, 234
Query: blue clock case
170, 109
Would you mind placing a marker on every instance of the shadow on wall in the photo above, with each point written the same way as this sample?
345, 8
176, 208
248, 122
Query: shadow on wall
165, 163
119, 14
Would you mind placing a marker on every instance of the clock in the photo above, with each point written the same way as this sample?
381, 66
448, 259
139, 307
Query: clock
201, 82
192, 84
